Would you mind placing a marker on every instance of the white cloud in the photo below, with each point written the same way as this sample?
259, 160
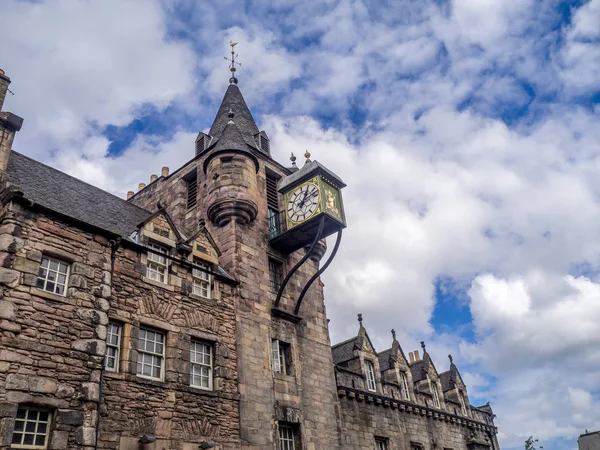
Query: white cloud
431, 191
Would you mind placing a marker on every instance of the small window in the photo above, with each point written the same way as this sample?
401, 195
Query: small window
113, 346
201, 368
200, 144
381, 444
275, 274
287, 437
463, 407
416, 446
264, 143
226, 163
404, 386
53, 275
435, 394
157, 266
282, 357
191, 181
32, 427
201, 279
370, 376
151, 354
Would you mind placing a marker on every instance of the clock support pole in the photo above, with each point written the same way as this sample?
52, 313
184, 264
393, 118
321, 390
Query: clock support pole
302, 261
319, 272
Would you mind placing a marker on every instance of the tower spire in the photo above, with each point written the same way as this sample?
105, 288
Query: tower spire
233, 62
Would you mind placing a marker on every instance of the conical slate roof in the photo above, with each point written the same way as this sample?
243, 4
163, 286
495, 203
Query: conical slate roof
233, 102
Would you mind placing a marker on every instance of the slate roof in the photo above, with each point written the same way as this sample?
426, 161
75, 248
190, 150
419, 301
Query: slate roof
308, 170
344, 351
234, 101
446, 380
418, 371
384, 360
73, 198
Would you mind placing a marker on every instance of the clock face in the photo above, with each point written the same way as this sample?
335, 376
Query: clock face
303, 202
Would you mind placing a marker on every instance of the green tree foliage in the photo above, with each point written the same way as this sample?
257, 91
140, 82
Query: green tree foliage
530, 443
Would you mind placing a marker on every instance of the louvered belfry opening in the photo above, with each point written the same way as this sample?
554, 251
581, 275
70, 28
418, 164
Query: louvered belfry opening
200, 142
264, 143
192, 189
272, 201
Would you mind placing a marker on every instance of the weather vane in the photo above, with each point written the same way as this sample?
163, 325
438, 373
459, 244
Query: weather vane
233, 62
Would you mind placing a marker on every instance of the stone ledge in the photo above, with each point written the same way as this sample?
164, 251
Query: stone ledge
51, 296
168, 287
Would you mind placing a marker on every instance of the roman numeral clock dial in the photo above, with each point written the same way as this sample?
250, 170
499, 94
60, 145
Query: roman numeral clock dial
303, 202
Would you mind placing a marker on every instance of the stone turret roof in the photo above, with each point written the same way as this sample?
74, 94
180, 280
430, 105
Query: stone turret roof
234, 101
73, 198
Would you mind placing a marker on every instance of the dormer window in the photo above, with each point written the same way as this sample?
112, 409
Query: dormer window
434, 393
404, 386
370, 369
157, 266
201, 279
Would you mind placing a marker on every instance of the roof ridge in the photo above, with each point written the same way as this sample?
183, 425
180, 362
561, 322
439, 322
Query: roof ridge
344, 342
80, 181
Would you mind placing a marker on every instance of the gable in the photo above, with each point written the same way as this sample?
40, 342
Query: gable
204, 247
159, 227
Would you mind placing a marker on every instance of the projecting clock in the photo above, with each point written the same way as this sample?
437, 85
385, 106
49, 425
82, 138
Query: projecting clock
303, 202
312, 196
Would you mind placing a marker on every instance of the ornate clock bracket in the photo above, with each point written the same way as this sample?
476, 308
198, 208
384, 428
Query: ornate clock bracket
319, 272
286, 280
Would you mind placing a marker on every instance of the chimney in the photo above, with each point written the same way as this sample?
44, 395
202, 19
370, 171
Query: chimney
141, 186
165, 172
153, 178
130, 194
411, 357
9, 124
417, 357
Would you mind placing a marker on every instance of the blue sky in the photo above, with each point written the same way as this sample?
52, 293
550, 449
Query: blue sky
466, 130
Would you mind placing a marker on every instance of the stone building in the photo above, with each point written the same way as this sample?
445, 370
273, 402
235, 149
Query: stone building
152, 322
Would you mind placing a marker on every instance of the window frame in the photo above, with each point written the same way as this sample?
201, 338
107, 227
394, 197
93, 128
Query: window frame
370, 370
57, 272
463, 406
381, 443
289, 439
282, 358
161, 251
117, 346
140, 353
274, 284
404, 391
435, 394
193, 364
48, 423
202, 279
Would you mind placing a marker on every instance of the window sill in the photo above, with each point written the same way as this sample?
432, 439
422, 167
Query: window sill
151, 381
159, 284
202, 299
51, 296
200, 391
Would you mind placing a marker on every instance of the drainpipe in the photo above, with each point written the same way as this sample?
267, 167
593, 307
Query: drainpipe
114, 246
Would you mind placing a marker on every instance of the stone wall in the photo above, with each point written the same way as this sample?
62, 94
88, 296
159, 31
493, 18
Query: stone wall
307, 398
52, 346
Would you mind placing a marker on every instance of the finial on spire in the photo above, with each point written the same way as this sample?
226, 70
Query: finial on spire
360, 319
307, 155
450, 358
393, 334
233, 62
423, 345
293, 159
